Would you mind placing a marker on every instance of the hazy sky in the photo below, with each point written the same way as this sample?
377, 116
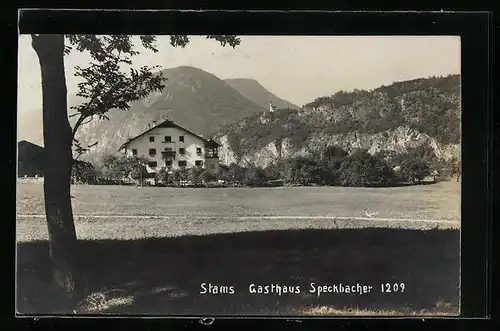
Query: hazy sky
298, 69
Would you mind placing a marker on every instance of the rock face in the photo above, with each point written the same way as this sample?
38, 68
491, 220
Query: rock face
397, 140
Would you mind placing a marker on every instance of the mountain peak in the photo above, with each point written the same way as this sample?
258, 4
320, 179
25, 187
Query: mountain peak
255, 91
187, 70
249, 80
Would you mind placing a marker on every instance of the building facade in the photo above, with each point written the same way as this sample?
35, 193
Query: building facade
170, 146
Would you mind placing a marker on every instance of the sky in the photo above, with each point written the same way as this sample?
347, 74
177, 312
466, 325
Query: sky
296, 68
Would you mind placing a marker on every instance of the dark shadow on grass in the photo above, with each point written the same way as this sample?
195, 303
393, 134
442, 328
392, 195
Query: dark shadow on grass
164, 275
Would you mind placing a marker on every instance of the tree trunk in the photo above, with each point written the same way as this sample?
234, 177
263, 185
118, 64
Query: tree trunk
58, 164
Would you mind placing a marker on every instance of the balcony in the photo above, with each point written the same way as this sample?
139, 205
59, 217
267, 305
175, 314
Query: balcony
211, 153
168, 155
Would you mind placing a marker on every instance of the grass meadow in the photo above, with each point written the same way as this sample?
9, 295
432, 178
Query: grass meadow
147, 250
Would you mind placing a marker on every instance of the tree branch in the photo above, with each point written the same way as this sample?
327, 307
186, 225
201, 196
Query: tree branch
80, 120
77, 125
90, 119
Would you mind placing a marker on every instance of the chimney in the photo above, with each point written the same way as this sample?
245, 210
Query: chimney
154, 123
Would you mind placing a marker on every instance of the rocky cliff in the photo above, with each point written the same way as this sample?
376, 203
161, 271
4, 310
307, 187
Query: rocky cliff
397, 140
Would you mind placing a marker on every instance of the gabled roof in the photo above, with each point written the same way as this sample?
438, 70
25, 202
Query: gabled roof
29, 144
164, 124
211, 143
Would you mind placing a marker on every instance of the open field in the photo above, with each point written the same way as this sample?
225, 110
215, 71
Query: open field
152, 248
438, 201
123, 212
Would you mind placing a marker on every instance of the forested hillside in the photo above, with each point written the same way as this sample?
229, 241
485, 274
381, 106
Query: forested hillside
421, 111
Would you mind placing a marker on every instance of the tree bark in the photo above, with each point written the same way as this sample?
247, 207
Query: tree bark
58, 163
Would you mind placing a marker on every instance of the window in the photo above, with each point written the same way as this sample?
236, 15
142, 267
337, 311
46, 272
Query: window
198, 163
181, 139
134, 151
151, 139
182, 163
182, 151
198, 150
152, 164
168, 163
152, 152
168, 139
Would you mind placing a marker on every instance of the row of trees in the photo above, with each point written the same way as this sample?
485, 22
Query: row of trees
125, 169
335, 167
331, 166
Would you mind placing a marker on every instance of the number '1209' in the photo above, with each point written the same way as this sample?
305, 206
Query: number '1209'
394, 287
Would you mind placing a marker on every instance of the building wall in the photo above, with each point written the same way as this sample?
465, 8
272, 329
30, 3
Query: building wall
190, 144
212, 164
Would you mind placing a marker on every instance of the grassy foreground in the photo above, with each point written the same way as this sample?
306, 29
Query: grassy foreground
163, 275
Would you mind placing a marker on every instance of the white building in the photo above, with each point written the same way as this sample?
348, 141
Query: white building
272, 108
168, 145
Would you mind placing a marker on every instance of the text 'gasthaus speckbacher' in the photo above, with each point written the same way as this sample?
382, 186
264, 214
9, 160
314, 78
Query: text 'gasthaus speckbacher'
313, 288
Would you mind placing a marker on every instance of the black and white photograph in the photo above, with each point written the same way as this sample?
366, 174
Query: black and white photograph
238, 175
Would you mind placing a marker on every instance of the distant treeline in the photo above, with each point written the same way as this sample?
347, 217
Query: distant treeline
335, 167
331, 166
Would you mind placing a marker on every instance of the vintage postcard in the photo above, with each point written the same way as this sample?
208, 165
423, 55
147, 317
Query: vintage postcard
186, 175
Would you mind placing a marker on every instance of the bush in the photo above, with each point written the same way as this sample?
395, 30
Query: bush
414, 170
414, 164
164, 177
255, 176
207, 176
331, 160
236, 173
118, 168
83, 172
363, 169
195, 176
274, 171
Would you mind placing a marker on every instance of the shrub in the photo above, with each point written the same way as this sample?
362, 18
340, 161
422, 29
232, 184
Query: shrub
363, 169
207, 176
236, 173
255, 176
83, 172
302, 170
121, 167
